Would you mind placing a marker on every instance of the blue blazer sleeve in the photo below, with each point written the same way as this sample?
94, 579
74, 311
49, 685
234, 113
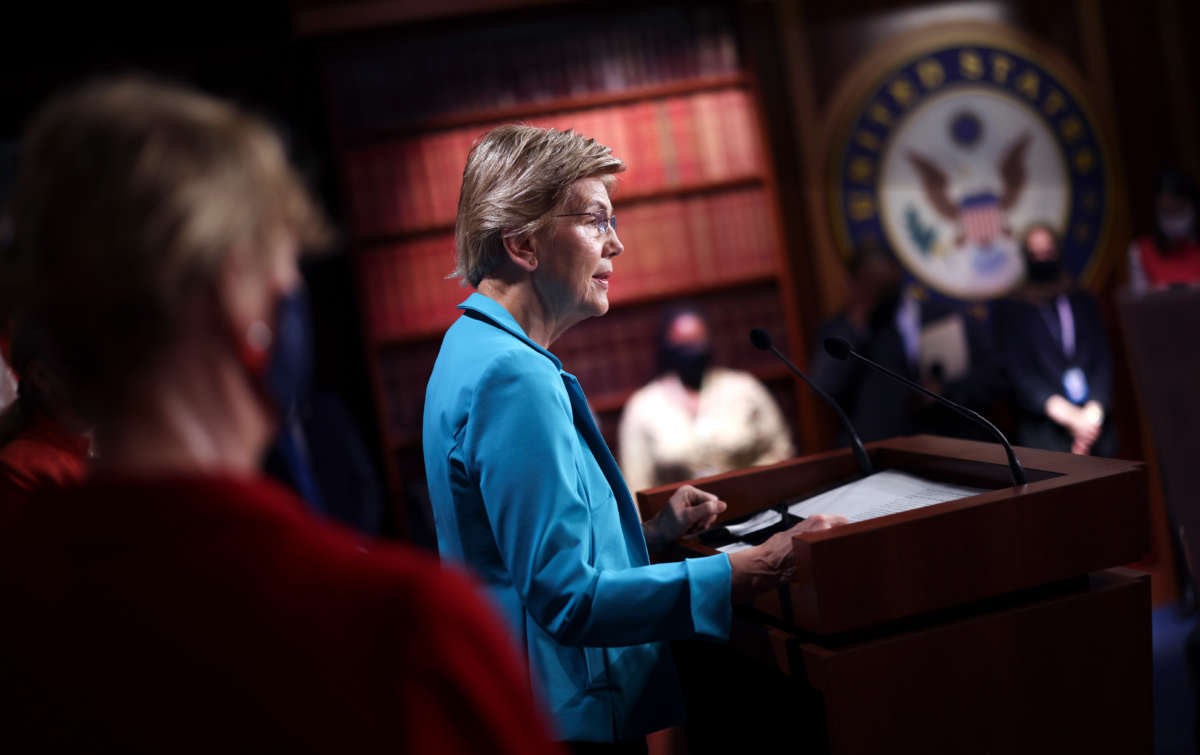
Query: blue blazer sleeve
520, 442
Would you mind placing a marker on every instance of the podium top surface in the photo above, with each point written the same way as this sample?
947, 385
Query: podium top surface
1076, 515
967, 462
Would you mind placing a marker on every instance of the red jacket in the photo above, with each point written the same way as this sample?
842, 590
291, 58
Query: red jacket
43, 454
210, 614
1181, 266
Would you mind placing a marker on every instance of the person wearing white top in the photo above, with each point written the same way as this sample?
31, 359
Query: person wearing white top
696, 419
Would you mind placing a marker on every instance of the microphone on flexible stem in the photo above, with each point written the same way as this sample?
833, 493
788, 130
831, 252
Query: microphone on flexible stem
839, 348
762, 340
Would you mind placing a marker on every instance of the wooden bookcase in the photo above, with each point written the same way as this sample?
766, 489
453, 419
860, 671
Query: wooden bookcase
698, 208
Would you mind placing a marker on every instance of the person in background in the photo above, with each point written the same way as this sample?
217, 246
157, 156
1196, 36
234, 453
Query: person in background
44, 440
1056, 355
883, 324
177, 601
696, 419
886, 319
1171, 255
524, 489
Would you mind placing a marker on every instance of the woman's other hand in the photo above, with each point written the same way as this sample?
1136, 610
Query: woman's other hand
689, 510
763, 566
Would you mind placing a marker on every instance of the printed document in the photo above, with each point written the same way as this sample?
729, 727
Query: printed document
759, 521
883, 493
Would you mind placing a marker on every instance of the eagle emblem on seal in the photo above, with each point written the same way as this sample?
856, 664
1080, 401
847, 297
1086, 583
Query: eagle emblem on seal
979, 215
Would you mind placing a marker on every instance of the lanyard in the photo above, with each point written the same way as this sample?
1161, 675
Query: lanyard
1066, 325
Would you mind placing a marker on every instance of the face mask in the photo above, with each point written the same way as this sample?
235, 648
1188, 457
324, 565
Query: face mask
289, 371
1177, 226
689, 362
1044, 271
280, 361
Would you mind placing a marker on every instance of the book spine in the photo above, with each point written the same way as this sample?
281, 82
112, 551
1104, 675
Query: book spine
646, 116
682, 124
738, 134
711, 147
432, 149
700, 233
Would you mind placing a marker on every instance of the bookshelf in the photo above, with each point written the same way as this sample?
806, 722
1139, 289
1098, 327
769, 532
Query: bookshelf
683, 143
627, 199
699, 214
562, 104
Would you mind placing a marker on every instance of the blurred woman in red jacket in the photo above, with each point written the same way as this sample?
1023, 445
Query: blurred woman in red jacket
43, 439
177, 601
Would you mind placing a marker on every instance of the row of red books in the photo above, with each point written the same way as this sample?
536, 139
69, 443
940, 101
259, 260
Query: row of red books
671, 246
676, 141
612, 356
384, 84
407, 289
666, 143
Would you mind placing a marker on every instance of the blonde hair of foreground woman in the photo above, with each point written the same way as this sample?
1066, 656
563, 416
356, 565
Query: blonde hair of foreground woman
132, 196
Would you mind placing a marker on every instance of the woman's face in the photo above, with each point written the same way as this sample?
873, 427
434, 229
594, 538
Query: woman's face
1176, 216
575, 258
1041, 246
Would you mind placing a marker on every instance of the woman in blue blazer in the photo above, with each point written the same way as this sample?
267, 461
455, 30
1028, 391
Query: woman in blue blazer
524, 490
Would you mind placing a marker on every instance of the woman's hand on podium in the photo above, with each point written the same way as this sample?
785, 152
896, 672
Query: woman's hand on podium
689, 510
766, 565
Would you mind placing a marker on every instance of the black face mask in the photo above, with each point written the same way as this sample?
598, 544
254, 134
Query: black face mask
689, 362
1044, 271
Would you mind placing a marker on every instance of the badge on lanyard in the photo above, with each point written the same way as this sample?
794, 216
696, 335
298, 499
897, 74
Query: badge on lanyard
1075, 385
1074, 382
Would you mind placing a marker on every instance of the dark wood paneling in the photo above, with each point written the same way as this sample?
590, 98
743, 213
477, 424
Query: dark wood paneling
1065, 673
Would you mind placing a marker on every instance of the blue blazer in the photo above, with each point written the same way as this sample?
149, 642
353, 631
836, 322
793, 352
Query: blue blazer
527, 495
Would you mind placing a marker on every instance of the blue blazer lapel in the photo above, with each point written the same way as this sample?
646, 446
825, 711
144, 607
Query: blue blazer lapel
631, 523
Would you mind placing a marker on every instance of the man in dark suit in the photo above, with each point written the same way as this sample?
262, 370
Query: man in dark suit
883, 322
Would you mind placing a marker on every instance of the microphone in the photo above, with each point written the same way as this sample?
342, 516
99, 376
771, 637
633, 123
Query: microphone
762, 340
839, 348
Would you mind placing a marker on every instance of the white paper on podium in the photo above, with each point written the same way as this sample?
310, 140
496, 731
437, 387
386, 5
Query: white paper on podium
759, 521
883, 493
735, 547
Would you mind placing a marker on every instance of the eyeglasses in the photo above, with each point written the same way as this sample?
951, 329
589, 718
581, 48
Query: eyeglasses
601, 221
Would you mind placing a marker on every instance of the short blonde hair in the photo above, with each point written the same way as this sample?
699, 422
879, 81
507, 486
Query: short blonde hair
131, 194
515, 178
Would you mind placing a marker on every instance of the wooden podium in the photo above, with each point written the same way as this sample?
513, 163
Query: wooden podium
1165, 375
991, 624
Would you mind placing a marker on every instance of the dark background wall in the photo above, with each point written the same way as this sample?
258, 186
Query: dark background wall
1139, 60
